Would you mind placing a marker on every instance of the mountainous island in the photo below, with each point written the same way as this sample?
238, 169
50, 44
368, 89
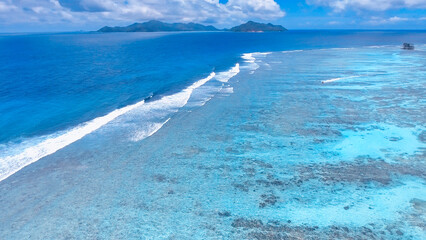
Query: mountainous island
251, 26
157, 26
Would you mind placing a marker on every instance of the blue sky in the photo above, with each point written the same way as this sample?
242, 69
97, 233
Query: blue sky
74, 15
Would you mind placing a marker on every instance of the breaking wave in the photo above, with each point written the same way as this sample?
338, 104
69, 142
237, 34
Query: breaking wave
15, 156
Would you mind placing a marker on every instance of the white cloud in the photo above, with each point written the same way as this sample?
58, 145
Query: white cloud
6, 7
334, 23
391, 20
81, 11
374, 5
398, 19
30, 11
256, 8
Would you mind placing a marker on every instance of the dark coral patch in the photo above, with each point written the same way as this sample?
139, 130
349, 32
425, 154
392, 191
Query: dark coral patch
275, 230
377, 171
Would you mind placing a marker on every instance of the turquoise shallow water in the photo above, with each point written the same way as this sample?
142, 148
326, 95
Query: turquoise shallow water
271, 153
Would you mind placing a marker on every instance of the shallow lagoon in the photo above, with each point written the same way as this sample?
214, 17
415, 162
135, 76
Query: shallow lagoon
270, 154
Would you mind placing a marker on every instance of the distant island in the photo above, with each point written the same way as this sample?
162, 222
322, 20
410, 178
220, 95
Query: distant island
251, 26
158, 26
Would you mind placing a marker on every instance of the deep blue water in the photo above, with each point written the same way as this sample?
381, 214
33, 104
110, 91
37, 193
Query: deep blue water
299, 135
50, 82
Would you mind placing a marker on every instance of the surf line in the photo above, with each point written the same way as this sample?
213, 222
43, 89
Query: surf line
337, 79
11, 164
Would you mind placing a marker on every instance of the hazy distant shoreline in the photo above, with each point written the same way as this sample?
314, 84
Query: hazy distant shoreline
157, 26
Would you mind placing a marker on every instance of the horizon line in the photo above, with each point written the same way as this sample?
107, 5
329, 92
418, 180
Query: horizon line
219, 30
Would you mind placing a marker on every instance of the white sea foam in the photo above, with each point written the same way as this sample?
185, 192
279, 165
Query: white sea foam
337, 79
150, 129
262, 53
342, 48
14, 160
267, 65
151, 112
17, 156
225, 76
179, 99
13, 163
251, 62
248, 57
227, 90
328, 49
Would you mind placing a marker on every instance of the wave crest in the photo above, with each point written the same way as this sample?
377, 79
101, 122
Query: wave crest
20, 155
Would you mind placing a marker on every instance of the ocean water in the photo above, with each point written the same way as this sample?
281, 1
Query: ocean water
304, 134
